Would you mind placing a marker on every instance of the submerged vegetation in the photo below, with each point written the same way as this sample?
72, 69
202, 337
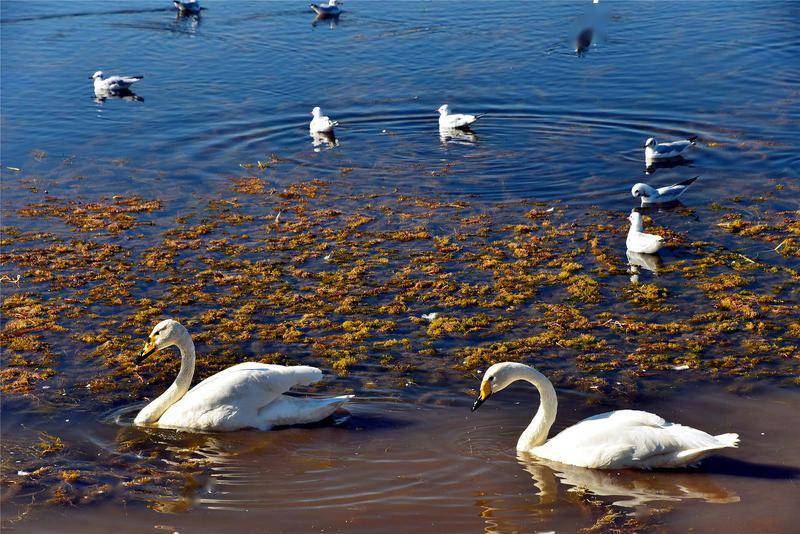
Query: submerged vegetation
388, 291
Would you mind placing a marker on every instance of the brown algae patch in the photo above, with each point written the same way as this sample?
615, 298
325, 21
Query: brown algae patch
305, 274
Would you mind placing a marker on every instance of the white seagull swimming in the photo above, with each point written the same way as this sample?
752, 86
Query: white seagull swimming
613, 440
637, 240
187, 7
247, 395
654, 150
112, 84
449, 121
331, 9
320, 123
662, 195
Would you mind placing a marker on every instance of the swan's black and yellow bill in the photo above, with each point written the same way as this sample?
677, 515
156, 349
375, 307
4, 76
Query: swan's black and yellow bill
149, 348
486, 392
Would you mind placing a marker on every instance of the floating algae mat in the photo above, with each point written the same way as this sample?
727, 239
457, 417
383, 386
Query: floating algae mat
400, 298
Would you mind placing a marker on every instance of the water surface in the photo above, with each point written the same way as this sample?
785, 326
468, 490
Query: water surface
408, 222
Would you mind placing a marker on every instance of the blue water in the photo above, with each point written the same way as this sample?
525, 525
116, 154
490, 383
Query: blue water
238, 84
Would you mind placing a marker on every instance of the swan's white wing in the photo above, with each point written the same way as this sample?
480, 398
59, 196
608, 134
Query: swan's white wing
231, 399
628, 438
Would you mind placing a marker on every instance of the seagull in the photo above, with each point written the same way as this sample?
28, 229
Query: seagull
662, 195
320, 123
637, 240
654, 150
332, 9
187, 7
112, 84
448, 121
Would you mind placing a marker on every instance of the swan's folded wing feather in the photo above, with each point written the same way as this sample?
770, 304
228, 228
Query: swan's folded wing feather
625, 438
286, 410
263, 382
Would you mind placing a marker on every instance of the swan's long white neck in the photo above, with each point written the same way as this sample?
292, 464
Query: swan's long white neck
151, 413
539, 427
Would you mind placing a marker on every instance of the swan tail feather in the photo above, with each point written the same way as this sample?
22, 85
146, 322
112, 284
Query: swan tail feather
724, 441
728, 440
286, 410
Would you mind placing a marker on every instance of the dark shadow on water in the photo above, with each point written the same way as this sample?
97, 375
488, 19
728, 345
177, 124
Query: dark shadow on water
332, 20
723, 465
672, 204
125, 94
670, 163
583, 41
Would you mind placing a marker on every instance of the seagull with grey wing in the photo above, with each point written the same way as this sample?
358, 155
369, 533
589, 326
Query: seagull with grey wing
450, 121
112, 84
187, 7
331, 9
654, 151
663, 195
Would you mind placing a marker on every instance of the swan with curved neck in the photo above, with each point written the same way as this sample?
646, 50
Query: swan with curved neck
247, 395
612, 440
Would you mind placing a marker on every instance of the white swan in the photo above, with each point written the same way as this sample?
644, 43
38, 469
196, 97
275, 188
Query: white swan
247, 395
613, 440
637, 240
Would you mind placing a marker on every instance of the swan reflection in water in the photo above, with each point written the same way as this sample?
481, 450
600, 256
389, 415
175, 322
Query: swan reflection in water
322, 140
640, 260
635, 488
457, 136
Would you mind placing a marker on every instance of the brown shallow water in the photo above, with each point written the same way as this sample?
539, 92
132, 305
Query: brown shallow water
387, 466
